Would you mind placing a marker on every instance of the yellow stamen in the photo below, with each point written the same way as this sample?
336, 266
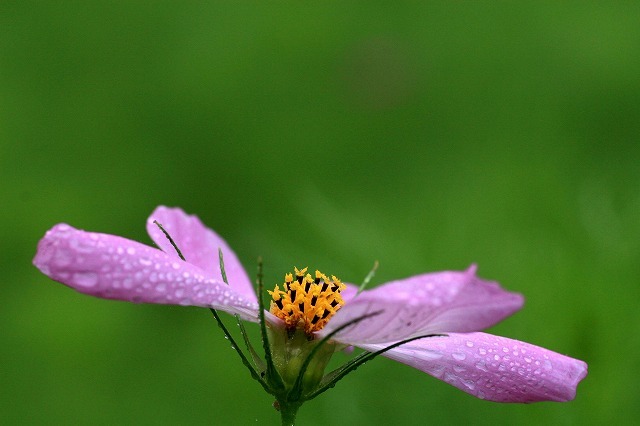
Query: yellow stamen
307, 303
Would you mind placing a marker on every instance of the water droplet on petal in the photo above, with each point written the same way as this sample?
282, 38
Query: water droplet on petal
449, 377
81, 246
481, 365
469, 384
62, 258
85, 279
460, 356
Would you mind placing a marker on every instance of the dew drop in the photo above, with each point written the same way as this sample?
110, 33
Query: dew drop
460, 356
62, 258
85, 279
131, 251
480, 365
450, 377
432, 354
81, 246
161, 288
469, 384
469, 344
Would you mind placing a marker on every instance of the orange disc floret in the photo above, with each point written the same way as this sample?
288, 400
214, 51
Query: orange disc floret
307, 303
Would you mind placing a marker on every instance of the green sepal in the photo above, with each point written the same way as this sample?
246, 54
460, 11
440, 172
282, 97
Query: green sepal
234, 345
333, 377
259, 363
368, 278
272, 376
297, 389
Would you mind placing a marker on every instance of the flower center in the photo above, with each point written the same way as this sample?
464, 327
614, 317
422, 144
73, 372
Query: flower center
307, 303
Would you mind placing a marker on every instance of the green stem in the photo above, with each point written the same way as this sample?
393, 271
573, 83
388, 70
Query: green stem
288, 413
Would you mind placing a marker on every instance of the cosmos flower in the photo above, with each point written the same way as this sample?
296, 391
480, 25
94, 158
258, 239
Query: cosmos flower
454, 306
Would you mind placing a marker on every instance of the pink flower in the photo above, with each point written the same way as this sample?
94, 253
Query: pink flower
458, 304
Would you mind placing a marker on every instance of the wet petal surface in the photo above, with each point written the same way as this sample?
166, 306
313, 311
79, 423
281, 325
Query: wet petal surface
424, 304
199, 245
492, 367
113, 267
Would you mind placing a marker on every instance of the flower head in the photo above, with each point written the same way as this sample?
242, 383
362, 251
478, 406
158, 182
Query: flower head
305, 302
455, 305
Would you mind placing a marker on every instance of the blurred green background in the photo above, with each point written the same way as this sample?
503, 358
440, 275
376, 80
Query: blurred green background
425, 135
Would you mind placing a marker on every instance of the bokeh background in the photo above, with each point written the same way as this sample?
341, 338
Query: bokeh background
425, 135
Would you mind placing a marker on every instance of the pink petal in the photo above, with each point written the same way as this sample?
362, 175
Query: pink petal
424, 304
492, 367
113, 267
350, 291
199, 246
